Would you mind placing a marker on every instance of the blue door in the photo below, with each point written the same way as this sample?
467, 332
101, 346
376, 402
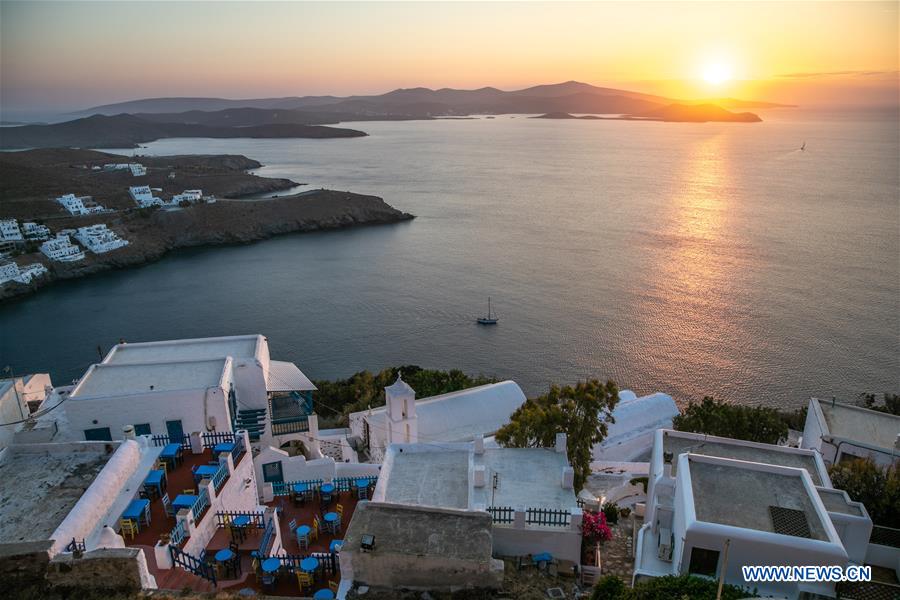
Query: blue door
100, 434
142, 429
176, 432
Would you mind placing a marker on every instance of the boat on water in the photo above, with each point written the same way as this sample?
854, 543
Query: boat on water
489, 319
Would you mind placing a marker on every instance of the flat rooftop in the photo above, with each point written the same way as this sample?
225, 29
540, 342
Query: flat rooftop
242, 346
39, 488
772, 455
438, 479
742, 497
121, 379
530, 476
835, 502
861, 424
418, 532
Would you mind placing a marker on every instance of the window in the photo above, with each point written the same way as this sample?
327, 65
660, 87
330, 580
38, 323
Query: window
704, 562
100, 434
272, 472
142, 429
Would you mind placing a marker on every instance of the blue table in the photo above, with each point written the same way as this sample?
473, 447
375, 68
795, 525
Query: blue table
324, 594
171, 453
137, 510
362, 483
335, 545
309, 564
206, 471
327, 488
303, 530
542, 557
157, 479
301, 488
223, 447
224, 555
241, 521
183, 501
271, 565
331, 521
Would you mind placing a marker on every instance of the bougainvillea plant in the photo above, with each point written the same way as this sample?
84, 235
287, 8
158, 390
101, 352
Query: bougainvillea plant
594, 527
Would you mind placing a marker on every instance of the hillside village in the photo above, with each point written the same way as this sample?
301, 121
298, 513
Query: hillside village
199, 464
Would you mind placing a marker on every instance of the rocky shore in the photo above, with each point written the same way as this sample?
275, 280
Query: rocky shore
153, 233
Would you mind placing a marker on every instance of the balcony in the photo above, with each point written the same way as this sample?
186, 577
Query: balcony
290, 413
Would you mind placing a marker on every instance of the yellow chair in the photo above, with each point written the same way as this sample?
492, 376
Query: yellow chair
189, 491
340, 510
304, 580
333, 586
162, 465
314, 534
128, 527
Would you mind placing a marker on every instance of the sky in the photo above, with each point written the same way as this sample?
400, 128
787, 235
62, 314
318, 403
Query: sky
64, 56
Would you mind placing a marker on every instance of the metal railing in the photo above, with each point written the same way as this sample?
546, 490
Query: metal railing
75, 545
200, 505
211, 438
257, 519
548, 517
193, 564
347, 484
220, 477
267, 536
502, 514
239, 449
178, 534
283, 488
290, 425
164, 440
327, 561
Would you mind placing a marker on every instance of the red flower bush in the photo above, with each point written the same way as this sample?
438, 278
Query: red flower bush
594, 527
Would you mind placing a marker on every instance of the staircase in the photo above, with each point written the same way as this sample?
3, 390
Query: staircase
253, 420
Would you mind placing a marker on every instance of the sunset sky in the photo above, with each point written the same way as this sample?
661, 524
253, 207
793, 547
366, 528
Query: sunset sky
72, 55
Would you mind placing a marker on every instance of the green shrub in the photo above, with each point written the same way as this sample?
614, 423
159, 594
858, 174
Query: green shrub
609, 587
640, 481
671, 587
751, 423
611, 510
878, 488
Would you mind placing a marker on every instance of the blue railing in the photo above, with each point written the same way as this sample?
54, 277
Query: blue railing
220, 477
200, 505
211, 438
239, 449
327, 561
283, 488
193, 564
347, 484
178, 534
163, 440
501, 514
257, 519
267, 536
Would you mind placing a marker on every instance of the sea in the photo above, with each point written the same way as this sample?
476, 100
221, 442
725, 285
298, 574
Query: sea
694, 259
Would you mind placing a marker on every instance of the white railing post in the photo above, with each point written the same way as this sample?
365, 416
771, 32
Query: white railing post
576, 516
163, 556
196, 442
519, 518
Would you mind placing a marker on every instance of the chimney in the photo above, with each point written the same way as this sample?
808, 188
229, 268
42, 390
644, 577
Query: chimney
480, 476
561, 443
479, 444
568, 478
128, 432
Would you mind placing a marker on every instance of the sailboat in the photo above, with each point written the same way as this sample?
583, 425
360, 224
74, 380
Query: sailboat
489, 319
803, 147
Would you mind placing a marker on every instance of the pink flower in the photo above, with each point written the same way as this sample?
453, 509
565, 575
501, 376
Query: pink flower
594, 527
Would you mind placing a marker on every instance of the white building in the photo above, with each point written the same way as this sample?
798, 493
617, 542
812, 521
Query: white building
191, 196
62, 249
841, 431
770, 505
13, 272
182, 386
13, 408
35, 231
79, 205
32, 389
630, 437
9, 231
99, 238
137, 169
143, 196
454, 417
442, 513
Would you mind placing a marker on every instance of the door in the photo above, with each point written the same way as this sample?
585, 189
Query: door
142, 429
272, 472
176, 432
100, 434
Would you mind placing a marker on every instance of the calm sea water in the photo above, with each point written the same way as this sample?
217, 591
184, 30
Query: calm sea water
687, 258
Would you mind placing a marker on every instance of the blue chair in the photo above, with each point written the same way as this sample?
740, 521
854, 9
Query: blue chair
303, 532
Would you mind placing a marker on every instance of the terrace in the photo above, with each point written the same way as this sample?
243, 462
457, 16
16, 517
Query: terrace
240, 541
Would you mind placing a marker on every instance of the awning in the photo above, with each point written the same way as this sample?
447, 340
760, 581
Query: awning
286, 377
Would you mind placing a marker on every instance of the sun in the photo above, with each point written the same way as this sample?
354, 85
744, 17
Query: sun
716, 73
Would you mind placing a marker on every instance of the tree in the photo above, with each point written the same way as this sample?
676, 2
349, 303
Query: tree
581, 412
690, 587
891, 402
878, 488
751, 423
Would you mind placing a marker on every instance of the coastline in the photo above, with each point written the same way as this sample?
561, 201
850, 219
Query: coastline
154, 234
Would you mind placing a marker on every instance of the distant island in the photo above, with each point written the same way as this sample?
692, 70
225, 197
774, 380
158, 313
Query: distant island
674, 113
30, 180
127, 124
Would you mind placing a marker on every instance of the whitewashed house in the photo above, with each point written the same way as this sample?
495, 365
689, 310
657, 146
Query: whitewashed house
9, 231
13, 272
99, 238
636, 419
841, 431
768, 504
137, 169
454, 417
191, 196
143, 196
62, 249
79, 205
35, 231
